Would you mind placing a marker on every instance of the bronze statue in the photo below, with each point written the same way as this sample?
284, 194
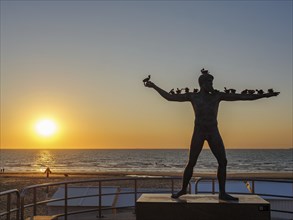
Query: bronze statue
205, 104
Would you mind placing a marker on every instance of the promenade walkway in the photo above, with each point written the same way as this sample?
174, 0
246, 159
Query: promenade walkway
127, 214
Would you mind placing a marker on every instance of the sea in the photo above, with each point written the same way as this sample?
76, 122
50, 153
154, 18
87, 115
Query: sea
82, 161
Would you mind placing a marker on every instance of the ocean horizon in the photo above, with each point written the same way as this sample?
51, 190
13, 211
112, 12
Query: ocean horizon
138, 160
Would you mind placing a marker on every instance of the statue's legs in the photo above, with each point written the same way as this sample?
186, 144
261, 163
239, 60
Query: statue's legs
195, 149
217, 147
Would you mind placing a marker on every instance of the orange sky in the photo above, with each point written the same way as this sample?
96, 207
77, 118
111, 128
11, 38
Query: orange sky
81, 64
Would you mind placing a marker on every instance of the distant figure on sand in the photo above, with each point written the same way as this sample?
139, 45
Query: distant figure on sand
48, 171
205, 105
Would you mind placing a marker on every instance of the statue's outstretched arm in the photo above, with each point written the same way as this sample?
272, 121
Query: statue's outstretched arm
170, 97
246, 97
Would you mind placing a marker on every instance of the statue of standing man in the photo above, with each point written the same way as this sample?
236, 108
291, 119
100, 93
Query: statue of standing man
205, 105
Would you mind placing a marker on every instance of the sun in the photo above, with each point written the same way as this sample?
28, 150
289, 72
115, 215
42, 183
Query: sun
46, 127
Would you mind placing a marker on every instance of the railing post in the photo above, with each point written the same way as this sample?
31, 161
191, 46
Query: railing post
100, 199
47, 192
196, 185
35, 201
135, 191
22, 207
8, 205
135, 194
65, 200
18, 205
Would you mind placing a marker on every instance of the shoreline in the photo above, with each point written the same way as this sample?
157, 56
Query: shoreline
285, 175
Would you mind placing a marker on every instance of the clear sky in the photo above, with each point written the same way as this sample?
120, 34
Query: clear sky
81, 63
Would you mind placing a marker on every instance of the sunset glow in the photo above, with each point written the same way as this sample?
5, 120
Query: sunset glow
72, 71
46, 127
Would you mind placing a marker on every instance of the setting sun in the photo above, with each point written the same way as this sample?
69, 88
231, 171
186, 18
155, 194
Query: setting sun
46, 127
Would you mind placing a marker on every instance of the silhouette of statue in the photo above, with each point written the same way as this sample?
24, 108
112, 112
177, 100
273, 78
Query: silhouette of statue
205, 104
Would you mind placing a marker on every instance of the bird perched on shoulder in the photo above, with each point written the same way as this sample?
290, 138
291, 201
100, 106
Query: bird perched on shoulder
226, 90
233, 91
146, 79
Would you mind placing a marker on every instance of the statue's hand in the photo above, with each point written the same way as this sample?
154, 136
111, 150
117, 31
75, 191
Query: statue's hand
149, 84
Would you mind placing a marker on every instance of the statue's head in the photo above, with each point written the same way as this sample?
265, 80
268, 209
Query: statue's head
206, 81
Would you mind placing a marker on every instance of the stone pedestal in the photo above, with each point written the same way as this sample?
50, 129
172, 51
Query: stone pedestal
201, 207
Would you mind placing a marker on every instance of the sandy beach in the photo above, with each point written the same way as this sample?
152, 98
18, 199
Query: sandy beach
21, 180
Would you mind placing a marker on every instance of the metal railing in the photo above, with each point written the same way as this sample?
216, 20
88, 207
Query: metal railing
251, 188
9, 203
22, 206
99, 208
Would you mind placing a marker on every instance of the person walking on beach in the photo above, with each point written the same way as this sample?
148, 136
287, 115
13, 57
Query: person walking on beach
205, 105
48, 171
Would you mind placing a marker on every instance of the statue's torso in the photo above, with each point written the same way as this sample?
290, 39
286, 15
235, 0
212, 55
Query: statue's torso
205, 108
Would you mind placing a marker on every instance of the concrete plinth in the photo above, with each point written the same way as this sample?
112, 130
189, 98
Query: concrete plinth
201, 207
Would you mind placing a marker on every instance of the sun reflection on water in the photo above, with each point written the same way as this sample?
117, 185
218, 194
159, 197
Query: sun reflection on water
44, 159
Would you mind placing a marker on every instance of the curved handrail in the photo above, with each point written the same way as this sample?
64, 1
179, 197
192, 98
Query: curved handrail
10, 210
97, 180
253, 180
22, 194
